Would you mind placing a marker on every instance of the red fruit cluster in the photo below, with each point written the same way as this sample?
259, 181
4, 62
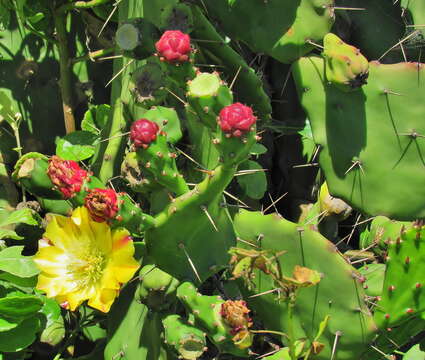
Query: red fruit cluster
102, 204
174, 46
236, 119
66, 175
236, 314
143, 132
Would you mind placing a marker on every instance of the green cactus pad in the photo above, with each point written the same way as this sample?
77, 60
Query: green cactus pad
416, 10
382, 232
372, 141
159, 160
168, 120
339, 293
246, 82
133, 331
278, 28
403, 295
374, 278
375, 41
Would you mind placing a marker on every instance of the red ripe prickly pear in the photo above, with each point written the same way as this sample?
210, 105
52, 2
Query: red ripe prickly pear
174, 46
66, 175
143, 132
102, 204
236, 119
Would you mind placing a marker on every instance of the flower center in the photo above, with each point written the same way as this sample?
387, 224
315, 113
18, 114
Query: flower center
87, 270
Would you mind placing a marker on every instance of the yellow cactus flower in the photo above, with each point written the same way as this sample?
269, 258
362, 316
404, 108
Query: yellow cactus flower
81, 259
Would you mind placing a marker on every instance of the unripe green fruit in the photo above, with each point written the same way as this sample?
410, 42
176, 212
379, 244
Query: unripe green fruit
346, 68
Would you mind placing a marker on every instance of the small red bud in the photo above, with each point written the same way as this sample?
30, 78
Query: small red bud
174, 46
143, 132
102, 204
236, 119
66, 175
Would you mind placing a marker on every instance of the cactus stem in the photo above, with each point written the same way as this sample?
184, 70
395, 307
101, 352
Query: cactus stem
65, 72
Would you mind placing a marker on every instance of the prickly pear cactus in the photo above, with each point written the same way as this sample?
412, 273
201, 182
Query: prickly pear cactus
403, 294
278, 28
382, 123
350, 326
210, 314
134, 331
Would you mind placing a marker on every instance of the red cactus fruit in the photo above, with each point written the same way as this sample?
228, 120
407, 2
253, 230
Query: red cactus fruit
235, 314
143, 132
102, 204
236, 119
66, 175
174, 46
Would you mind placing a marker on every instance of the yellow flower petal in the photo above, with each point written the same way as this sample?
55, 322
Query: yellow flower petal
51, 260
50, 284
59, 233
104, 299
84, 260
122, 260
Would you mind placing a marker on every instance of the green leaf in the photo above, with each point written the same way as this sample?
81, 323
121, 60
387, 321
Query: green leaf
6, 325
95, 118
253, 184
50, 309
14, 263
25, 216
258, 149
77, 146
19, 307
21, 336
23, 284
9, 234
